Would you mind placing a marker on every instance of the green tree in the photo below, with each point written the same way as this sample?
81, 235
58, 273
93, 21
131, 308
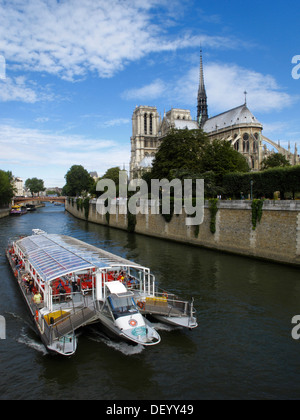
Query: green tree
180, 150
34, 185
52, 192
274, 161
113, 174
6, 187
220, 158
78, 181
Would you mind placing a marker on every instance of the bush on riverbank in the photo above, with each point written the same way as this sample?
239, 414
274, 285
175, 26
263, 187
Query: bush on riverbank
264, 183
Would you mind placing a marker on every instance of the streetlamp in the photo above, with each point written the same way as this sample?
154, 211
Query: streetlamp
251, 186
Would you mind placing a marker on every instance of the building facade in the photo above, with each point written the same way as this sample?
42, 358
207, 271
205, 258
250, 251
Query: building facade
237, 126
18, 186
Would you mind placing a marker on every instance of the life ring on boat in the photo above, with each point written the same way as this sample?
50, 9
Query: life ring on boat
16, 273
165, 295
141, 305
36, 316
132, 322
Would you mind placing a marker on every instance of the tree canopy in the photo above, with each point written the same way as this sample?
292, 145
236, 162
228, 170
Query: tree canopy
220, 158
6, 187
189, 154
180, 149
34, 185
113, 174
78, 181
274, 161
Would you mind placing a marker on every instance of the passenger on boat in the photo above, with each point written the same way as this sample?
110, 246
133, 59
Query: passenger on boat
26, 279
131, 281
62, 292
74, 285
30, 285
37, 298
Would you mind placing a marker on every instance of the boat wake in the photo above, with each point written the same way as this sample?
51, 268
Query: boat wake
31, 343
164, 327
122, 347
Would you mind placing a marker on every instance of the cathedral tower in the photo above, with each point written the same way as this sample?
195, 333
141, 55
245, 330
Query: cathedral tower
202, 114
145, 128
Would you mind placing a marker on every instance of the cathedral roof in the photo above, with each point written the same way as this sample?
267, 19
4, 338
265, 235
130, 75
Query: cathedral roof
182, 124
146, 162
235, 116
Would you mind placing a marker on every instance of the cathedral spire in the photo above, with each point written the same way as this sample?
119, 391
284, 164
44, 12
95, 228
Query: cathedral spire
202, 114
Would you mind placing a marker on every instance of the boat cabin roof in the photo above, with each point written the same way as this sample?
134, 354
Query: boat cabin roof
54, 255
116, 287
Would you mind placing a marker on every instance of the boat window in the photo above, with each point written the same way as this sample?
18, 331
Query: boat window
122, 306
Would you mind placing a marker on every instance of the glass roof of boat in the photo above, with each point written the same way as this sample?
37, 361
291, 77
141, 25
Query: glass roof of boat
56, 255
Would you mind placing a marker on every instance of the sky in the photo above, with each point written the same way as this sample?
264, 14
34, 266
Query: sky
73, 71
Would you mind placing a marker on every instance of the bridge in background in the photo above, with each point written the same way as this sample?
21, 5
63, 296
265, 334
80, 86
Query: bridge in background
24, 200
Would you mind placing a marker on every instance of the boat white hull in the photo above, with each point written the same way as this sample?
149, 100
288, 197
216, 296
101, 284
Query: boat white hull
65, 347
145, 335
184, 322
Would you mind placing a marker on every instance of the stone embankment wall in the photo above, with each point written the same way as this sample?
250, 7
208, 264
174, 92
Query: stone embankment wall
276, 237
4, 212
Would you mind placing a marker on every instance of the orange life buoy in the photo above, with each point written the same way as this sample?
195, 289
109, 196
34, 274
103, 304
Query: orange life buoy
141, 305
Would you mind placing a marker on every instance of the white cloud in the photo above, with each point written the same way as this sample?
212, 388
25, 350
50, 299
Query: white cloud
23, 90
52, 154
73, 37
16, 90
41, 119
225, 86
152, 91
116, 122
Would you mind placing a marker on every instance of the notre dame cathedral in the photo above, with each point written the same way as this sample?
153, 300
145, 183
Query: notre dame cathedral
237, 126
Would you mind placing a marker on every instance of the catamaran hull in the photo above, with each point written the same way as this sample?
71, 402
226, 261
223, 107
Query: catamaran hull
63, 349
183, 322
128, 335
56, 347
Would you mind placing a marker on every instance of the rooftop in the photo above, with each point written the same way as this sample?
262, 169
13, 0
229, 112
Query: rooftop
54, 255
183, 124
235, 116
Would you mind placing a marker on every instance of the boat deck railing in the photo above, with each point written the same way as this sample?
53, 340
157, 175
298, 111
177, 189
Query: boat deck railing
162, 303
170, 307
69, 322
77, 309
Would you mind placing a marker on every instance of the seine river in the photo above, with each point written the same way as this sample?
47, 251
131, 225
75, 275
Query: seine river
242, 349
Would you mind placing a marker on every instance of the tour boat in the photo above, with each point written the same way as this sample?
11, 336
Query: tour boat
18, 210
78, 285
30, 207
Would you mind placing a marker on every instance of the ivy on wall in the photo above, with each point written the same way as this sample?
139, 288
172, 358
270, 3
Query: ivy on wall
213, 209
86, 206
257, 206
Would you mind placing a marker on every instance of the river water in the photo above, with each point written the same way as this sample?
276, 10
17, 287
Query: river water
242, 349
